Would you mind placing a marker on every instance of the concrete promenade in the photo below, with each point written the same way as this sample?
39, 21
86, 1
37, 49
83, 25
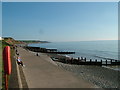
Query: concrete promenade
41, 72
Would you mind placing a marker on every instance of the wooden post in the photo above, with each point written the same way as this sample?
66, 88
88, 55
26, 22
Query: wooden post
111, 61
90, 61
106, 62
96, 61
67, 61
115, 62
78, 60
71, 60
81, 58
85, 59
101, 62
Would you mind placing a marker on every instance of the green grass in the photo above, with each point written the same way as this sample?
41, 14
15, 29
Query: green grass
2, 45
0, 54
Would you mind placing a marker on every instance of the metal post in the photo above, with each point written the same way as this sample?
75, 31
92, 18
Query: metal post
6, 81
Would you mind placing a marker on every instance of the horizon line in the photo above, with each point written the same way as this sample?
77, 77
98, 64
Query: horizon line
67, 41
59, 1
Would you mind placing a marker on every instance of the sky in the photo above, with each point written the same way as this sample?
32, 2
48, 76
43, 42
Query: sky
119, 21
0, 19
60, 21
60, 0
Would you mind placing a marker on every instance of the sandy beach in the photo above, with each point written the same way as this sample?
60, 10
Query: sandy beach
41, 72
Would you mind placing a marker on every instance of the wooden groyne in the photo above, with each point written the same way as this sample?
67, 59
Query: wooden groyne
45, 50
78, 61
81, 61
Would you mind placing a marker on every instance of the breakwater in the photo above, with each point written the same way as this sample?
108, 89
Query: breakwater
77, 61
84, 61
104, 50
45, 50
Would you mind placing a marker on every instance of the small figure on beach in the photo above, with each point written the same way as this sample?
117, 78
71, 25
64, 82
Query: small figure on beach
19, 61
13, 47
17, 53
37, 54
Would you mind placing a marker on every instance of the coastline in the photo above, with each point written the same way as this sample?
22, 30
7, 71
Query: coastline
41, 73
87, 49
100, 76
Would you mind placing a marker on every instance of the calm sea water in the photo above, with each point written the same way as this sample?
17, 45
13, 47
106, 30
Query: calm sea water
89, 49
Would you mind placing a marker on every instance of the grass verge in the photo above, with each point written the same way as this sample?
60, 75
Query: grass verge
0, 64
2, 82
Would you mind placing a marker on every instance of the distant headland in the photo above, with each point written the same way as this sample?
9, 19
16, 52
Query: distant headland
12, 41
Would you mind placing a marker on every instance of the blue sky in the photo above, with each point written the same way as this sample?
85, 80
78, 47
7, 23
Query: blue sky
60, 21
0, 19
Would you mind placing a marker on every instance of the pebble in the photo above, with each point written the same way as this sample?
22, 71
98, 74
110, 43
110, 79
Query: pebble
100, 76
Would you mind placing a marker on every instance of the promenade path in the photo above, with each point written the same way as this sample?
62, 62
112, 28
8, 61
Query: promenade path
41, 72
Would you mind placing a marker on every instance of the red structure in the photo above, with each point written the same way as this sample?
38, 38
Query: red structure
7, 64
7, 60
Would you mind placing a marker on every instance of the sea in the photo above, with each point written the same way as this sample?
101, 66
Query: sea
100, 50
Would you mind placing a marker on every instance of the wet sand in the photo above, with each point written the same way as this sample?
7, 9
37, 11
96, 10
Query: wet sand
41, 72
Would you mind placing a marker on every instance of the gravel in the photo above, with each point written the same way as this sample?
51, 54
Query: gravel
100, 76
